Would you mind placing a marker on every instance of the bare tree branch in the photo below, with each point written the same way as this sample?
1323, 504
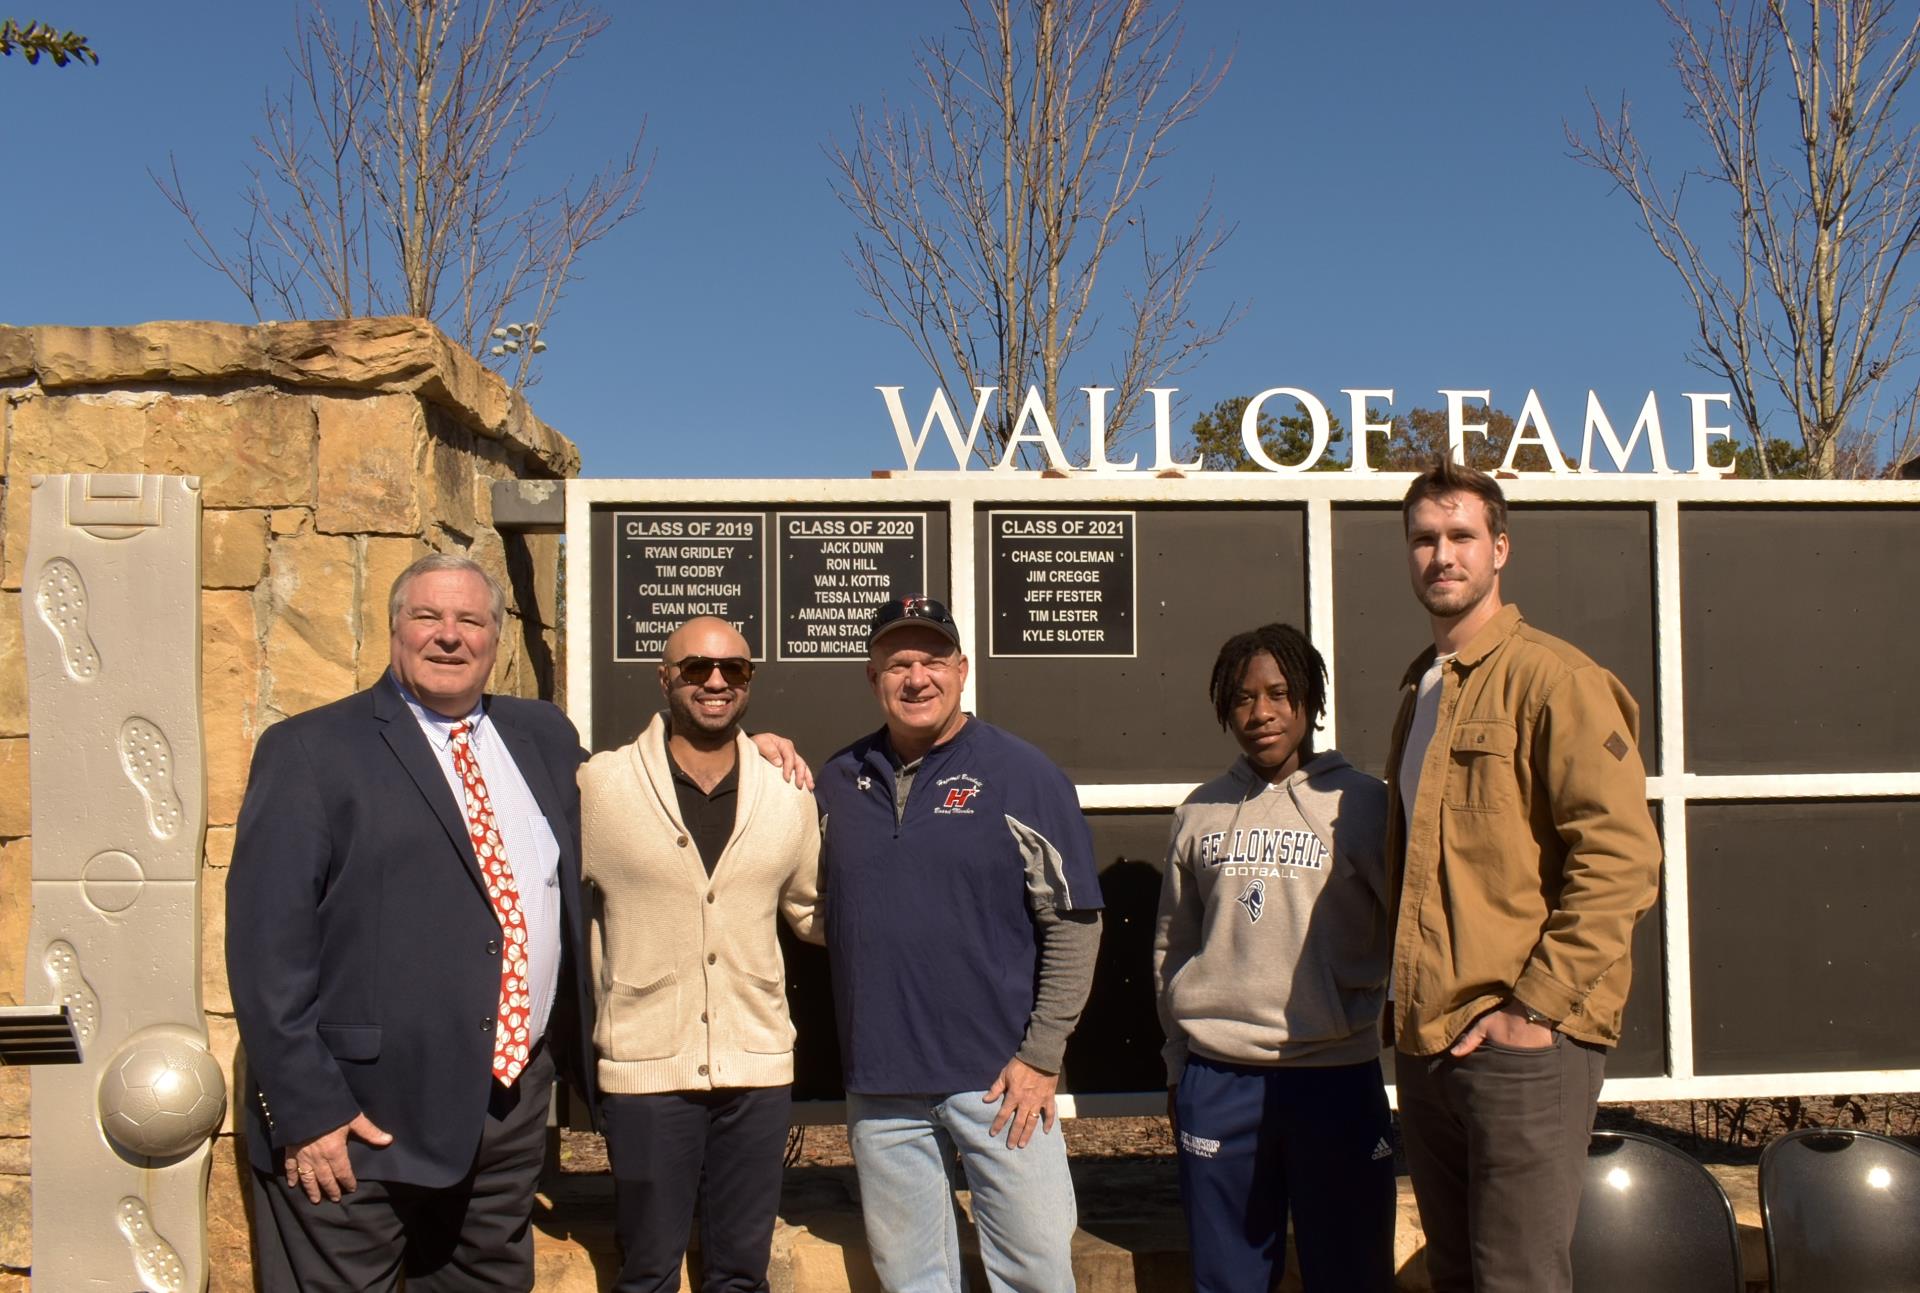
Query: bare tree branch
1808, 306
983, 228
390, 171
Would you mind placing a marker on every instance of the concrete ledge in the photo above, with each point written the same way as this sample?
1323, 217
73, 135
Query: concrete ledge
1131, 1239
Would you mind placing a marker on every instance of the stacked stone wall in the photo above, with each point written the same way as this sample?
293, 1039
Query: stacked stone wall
330, 455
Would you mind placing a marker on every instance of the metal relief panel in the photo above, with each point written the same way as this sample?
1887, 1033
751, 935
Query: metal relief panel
112, 632
1794, 618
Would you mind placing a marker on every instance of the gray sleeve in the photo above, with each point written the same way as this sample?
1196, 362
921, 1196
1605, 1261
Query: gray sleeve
1069, 945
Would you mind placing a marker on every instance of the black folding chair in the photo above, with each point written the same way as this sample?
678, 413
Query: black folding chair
1652, 1221
1842, 1211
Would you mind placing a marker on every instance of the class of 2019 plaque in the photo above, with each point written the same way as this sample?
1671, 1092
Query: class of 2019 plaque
835, 569
1062, 584
671, 566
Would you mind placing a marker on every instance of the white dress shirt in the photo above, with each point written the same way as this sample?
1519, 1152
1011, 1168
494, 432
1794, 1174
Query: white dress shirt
532, 850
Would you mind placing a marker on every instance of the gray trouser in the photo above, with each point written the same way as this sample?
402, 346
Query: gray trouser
1496, 1145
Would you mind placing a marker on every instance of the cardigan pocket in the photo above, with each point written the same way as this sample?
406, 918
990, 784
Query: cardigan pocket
765, 1026
640, 1023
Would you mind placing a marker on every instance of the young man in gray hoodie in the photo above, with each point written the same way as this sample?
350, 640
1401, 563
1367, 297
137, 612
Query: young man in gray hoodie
1270, 964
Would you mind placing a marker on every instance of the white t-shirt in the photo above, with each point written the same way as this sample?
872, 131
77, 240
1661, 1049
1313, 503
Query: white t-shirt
1426, 718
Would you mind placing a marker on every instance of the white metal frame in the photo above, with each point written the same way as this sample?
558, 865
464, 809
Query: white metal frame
963, 493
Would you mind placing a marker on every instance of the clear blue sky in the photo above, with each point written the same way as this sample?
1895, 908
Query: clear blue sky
1407, 213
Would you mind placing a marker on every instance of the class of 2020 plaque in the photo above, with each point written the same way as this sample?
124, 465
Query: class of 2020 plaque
835, 569
1062, 584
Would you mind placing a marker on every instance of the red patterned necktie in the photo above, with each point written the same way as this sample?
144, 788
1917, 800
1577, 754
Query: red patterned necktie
510, 1041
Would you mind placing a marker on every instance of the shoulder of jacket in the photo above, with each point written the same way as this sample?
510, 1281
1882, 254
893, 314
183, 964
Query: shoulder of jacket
1549, 658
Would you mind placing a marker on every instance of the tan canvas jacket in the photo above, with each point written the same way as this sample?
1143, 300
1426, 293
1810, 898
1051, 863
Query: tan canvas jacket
1530, 851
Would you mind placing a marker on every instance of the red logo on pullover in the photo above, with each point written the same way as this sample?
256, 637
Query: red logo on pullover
958, 798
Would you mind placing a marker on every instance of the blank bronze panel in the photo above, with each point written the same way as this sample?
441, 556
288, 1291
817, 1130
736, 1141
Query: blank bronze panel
1204, 575
1584, 574
820, 704
1804, 954
1642, 1051
1378, 628
1117, 1045
1796, 620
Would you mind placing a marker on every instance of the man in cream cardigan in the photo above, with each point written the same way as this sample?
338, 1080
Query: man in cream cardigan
691, 844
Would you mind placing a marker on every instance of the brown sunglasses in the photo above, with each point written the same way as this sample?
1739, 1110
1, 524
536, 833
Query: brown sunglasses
735, 671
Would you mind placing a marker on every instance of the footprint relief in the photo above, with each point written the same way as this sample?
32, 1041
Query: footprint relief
160, 1267
148, 761
61, 597
71, 989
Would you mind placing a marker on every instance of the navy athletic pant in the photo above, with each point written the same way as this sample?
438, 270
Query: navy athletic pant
1258, 1141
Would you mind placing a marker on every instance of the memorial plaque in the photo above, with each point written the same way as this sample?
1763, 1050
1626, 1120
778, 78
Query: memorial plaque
835, 568
671, 566
1061, 584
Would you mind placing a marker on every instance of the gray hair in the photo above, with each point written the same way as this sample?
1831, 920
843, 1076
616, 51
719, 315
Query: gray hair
437, 561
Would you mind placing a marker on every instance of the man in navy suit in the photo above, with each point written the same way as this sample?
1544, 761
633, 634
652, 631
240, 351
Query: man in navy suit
404, 914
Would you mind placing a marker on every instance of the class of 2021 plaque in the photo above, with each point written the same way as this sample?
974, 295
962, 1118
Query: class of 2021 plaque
1062, 584
671, 566
836, 568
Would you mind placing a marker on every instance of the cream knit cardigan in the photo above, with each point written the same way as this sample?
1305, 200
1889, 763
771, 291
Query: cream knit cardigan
689, 983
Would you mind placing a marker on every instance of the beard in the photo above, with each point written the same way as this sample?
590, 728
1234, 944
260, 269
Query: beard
692, 720
1452, 598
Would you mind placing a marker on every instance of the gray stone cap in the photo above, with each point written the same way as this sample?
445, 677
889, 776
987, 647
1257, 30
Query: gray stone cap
392, 355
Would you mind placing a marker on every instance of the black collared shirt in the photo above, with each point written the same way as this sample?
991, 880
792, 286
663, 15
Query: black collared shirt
709, 817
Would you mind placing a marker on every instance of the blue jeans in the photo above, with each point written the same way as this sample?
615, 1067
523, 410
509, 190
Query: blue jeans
1022, 1198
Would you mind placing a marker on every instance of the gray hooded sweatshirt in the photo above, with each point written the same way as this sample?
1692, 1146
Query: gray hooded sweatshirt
1272, 944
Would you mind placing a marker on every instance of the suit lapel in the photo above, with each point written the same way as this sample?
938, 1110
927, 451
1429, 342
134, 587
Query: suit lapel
403, 736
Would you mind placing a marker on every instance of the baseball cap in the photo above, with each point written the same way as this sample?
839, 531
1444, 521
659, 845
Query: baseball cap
913, 609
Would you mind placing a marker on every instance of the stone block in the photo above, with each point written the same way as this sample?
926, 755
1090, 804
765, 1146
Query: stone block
543, 558
16, 1100
56, 433
223, 1043
16, 915
372, 462
16, 353
288, 520
382, 560
233, 548
219, 852
13, 668
16, 815
16, 1222
229, 697
312, 605
16, 1155
142, 353
453, 478
229, 1241
214, 994
253, 449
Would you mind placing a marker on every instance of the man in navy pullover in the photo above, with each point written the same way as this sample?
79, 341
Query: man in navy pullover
963, 921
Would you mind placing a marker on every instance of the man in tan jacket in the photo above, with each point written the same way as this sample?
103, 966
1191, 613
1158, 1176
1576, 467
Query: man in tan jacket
1520, 852
693, 847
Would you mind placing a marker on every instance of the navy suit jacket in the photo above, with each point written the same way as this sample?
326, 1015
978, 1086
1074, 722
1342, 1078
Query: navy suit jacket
362, 952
